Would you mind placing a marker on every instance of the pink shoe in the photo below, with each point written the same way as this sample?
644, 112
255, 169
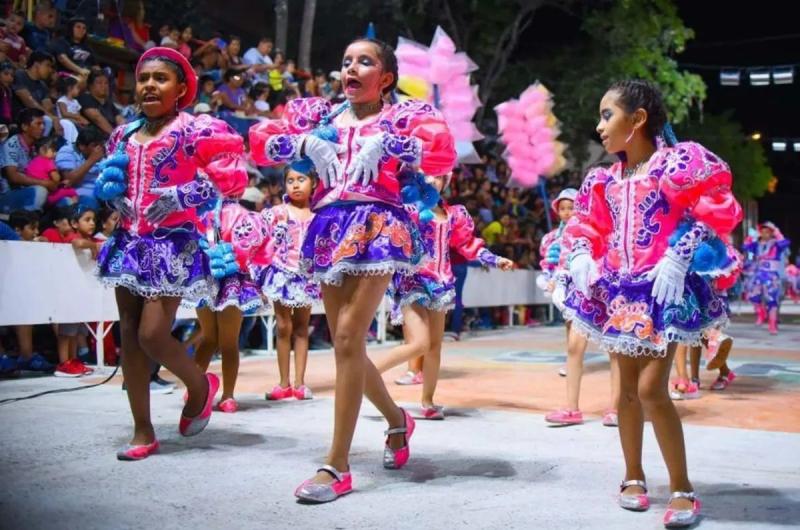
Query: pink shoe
773, 322
718, 350
610, 418
314, 493
130, 452
193, 426
278, 392
635, 503
436, 412
228, 405
723, 381
689, 390
410, 378
302, 392
397, 458
565, 417
761, 315
682, 518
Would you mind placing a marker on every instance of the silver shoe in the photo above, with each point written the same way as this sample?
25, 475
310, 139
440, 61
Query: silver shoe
635, 503
682, 518
314, 493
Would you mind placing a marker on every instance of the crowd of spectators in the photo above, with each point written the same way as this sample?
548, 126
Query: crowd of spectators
59, 103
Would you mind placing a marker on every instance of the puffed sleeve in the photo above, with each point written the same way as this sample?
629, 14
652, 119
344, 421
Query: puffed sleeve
218, 151
114, 139
544, 247
463, 239
698, 181
247, 232
273, 142
590, 226
422, 121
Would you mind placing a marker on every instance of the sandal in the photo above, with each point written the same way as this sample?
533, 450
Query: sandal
682, 518
397, 458
635, 503
313, 493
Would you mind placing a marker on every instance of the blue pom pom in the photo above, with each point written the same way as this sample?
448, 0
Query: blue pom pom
410, 194
681, 229
113, 174
426, 216
120, 160
106, 191
429, 196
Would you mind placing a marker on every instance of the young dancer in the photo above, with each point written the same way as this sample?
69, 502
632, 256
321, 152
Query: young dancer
221, 315
421, 300
360, 235
284, 284
557, 278
644, 298
768, 258
154, 259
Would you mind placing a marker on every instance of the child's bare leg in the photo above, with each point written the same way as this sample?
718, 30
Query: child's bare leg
300, 319
432, 361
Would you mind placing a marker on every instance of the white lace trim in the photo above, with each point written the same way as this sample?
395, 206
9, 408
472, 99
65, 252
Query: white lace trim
294, 304
634, 347
231, 302
335, 275
194, 293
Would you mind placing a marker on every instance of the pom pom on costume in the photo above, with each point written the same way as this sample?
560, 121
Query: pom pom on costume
420, 194
221, 259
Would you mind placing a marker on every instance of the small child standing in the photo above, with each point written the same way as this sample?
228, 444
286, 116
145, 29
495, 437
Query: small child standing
69, 108
108, 220
61, 231
43, 167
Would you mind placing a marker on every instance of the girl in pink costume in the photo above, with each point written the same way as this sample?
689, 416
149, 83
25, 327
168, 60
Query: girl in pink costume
154, 258
644, 296
284, 284
555, 279
768, 256
220, 315
422, 300
360, 235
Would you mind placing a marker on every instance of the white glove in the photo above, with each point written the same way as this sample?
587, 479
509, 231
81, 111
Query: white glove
583, 271
124, 207
559, 296
365, 164
669, 275
542, 281
324, 156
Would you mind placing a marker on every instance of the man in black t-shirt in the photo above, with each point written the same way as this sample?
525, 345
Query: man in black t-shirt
96, 104
31, 90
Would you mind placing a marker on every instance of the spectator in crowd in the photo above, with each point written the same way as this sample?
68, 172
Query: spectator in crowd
11, 43
71, 51
170, 37
206, 91
61, 231
257, 100
19, 191
43, 167
96, 104
495, 232
135, 30
231, 94
125, 105
231, 56
25, 225
78, 164
259, 60
32, 92
107, 221
314, 86
67, 105
6, 94
276, 74
185, 41
38, 34
335, 94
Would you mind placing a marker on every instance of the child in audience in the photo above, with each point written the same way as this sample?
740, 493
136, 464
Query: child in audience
69, 89
61, 231
26, 224
43, 167
107, 221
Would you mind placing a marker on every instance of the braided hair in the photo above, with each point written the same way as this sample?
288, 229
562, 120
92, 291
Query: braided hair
635, 94
388, 59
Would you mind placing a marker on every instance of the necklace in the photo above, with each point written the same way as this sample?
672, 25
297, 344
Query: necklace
628, 172
366, 109
151, 127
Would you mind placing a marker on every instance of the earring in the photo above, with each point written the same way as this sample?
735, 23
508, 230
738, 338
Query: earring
630, 136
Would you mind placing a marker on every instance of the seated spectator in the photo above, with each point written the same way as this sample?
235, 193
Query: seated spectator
125, 105
257, 100
96, 104
495, 232
43, 167
171, 36
207, 92
83, 222
19, 191
61, 231
231, 58
135, 30
67, 104
276, 74
32, 92
38, 34
231, 94
11, 43
72, 52
25, 225
107, 221
78, 164
259, 60
6, 93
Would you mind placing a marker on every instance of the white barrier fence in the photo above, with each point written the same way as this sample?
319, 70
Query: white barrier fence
42, 283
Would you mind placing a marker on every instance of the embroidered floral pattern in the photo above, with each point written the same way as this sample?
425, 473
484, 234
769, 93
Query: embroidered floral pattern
652, 204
